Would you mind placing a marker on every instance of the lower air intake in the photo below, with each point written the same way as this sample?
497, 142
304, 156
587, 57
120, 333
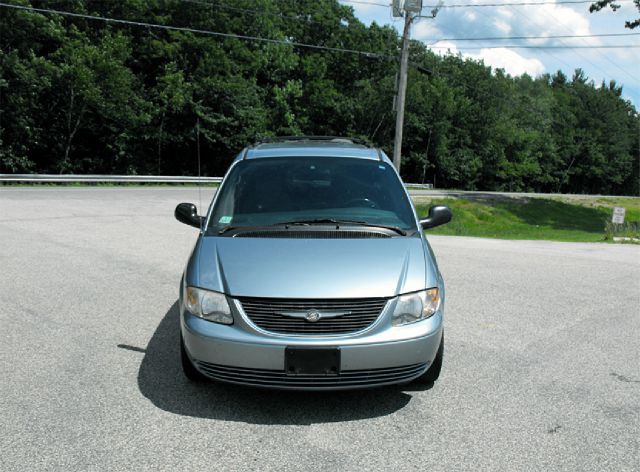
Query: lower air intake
279, 379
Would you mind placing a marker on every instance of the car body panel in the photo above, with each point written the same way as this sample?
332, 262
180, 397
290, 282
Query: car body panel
357, 354
311, 268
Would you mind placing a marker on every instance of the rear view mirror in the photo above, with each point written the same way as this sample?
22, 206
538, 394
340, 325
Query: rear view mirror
187, 213
438, 215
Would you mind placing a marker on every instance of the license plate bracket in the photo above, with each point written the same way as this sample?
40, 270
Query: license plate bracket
312, 361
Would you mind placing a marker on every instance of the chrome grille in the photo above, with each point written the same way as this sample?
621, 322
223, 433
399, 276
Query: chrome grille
279, 379
341, 316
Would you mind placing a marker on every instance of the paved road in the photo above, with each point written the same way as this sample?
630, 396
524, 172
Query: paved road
542, 369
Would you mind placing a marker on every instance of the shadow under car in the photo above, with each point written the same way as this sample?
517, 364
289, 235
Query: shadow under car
161, 380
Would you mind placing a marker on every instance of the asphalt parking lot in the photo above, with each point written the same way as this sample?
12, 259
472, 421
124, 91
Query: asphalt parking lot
541, 372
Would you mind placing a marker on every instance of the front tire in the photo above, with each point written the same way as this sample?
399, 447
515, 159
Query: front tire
433, 372
188, 369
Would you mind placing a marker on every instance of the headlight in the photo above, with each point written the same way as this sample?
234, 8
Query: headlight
211, 306
416, 306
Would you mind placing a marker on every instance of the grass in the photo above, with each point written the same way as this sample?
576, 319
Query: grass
555, 219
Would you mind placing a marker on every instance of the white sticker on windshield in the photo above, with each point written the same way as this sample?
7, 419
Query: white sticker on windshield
382, 167
225, 220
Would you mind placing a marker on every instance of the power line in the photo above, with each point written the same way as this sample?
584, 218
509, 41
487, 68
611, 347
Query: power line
527, 20
585, 57
490, 5
259, 12
600, 53
547, 52
515, 46
526, 3
498, 38
509, 4
489, 18
368, 54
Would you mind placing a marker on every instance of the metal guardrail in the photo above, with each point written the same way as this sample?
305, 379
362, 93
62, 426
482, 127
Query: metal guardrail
95, 178
137, 179
420, 186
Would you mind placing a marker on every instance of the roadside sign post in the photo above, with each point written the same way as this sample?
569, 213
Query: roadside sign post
618, 215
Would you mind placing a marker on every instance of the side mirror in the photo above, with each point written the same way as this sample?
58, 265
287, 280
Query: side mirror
187, 213
438, 215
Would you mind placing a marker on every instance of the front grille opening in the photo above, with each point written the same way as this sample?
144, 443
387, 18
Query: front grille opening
286, 316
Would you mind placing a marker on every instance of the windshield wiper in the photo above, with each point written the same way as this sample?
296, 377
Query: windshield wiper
231, 228
337, 222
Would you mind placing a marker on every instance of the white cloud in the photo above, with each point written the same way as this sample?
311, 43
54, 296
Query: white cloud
525, 20
425, 30
507, 59
510, 61
445, 47
470, 15
553, 20
531, 20
502, 26
505, 13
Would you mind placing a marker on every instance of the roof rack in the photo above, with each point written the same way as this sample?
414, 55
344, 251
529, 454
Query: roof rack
337, 139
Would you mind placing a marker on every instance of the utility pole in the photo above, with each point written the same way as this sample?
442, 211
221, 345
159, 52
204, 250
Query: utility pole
402, 90
412, 10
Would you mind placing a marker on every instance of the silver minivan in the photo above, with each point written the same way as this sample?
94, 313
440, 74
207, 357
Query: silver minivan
311, 272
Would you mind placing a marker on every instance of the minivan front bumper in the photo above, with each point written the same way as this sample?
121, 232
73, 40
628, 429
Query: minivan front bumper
243, 354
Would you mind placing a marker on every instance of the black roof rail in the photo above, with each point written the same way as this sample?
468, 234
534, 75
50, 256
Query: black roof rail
284, 139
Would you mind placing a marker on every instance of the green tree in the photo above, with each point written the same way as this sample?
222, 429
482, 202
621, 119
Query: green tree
600, 4
89, 96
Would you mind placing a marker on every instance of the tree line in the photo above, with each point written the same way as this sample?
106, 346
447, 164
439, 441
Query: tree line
84, 96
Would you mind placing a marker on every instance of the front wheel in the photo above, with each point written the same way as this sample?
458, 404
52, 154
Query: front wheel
433, 372
189, 370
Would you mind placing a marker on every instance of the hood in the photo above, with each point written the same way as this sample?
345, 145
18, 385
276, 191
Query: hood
310, 268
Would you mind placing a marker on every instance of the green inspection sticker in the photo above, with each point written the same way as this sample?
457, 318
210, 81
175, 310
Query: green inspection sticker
225, 220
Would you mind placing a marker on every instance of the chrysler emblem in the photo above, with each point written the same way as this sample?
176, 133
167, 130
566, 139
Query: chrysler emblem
312, 316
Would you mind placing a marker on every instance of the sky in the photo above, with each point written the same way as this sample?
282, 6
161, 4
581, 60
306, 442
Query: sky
621, 65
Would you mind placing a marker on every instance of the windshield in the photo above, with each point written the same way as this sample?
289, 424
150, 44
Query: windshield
271, 191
